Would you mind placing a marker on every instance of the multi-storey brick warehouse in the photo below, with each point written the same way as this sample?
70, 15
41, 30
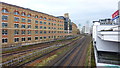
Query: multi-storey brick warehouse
21, 25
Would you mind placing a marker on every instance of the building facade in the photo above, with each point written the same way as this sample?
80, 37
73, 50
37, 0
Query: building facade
67, 24
23, 26
74, 29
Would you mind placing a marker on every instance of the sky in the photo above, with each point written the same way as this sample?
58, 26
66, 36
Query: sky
80, 11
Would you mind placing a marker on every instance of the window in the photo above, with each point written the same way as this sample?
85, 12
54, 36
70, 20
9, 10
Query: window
44, 37
48, 27
49, 19
44, 32
41, 17
52, 24
16, 32
51, 36
23, 14
16, 19
36, 32
49, 32
40, 27
29, 38
4, 32
22, 26
44, 22
29, 26
45, 18
29, 32
40, 37
16, 25
4, 25
23, 32
36, 22
36, 16
36, 27
16, 13
23, 39
52, 31
5, 40
4, 11
40, 22
48, 36
40, 32
4, 17
16, 39
29, 15
52, 27
23, 19
36, 38
48, 23
44, 27
29, 21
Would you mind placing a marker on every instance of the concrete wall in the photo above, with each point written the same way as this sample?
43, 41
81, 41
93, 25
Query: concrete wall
103, 45
109, 46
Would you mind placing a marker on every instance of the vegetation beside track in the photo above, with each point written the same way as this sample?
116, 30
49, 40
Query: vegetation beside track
90, 61
30, 57
35, 45
47, 60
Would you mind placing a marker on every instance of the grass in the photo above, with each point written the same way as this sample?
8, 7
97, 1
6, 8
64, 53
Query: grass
93, 64
47, 61
90, 58
32, 57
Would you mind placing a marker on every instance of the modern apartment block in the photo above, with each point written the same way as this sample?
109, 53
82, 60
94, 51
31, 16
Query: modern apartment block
67, 23
23, 26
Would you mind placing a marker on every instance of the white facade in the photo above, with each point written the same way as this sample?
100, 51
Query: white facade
106, 40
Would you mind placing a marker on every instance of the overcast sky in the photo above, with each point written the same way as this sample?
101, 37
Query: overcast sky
80, 11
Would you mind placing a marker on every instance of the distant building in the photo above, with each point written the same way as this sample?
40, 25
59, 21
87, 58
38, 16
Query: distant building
78, 31
67, 23
74, 29
106, 22
83, 30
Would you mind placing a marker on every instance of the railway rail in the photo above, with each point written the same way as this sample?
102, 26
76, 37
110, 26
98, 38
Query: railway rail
18, 60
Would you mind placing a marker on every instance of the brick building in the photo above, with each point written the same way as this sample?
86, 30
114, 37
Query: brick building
23, 26
74, 29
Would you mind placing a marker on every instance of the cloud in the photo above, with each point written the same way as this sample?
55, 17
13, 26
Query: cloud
80, 10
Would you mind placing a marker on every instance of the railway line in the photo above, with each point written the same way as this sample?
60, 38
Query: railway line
76, 56
72, 57
52, 52
18, 60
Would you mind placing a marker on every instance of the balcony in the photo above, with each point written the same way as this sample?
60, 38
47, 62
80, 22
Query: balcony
112, 34
109, 35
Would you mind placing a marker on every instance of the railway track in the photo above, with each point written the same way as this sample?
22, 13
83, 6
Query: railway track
57, 50
48, 54
76, 56
20, 59
4, 55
